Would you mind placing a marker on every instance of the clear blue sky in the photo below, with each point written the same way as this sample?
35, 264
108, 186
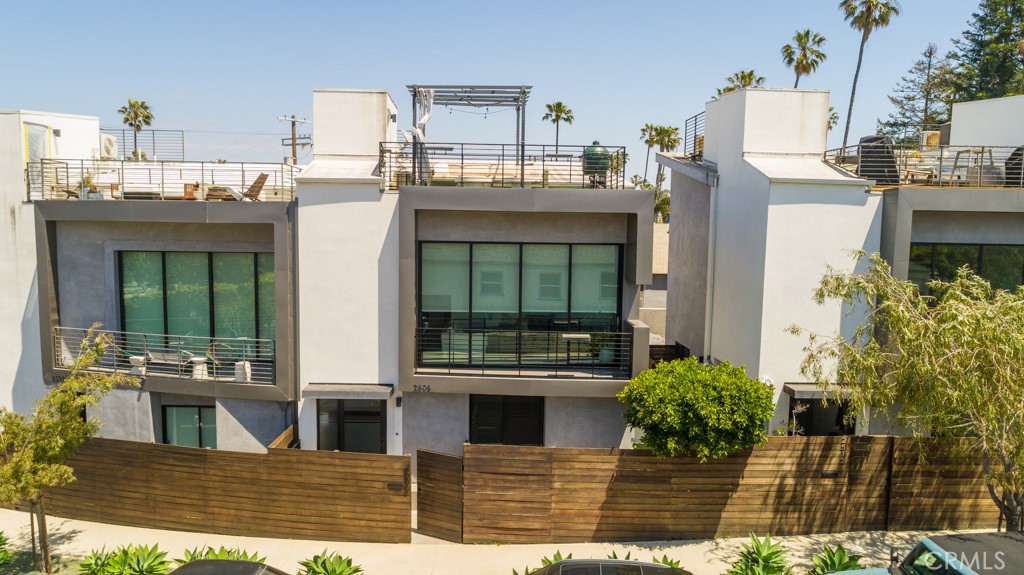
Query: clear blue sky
224, 71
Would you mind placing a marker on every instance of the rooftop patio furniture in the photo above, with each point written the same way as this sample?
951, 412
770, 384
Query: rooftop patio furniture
228, 194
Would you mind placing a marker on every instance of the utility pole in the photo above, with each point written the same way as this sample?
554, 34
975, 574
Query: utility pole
307, 141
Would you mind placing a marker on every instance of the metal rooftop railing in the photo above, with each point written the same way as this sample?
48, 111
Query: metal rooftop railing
893, 165
162, 180
499, 165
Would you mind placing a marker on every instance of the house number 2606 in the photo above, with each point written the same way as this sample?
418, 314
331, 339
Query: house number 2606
423, 388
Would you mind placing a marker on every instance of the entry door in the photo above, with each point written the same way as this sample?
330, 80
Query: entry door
355, 425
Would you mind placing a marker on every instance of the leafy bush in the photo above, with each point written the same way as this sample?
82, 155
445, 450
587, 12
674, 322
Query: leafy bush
125, 560
5, 554
222, 553
545, 561
831, 560
329, 564
761, 557
684, 406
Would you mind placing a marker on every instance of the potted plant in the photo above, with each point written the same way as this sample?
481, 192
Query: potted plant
602, 346
87, 189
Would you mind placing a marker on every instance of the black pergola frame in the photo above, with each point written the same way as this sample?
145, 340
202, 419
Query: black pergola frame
468, 96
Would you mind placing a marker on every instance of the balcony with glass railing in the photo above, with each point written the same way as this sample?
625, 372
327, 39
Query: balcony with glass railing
236, 360
69, 179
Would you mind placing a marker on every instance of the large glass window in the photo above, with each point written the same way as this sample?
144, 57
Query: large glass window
190, 426
1001, 265
188, 294
198, 294
495, 285
531, 287
142, 291
506, 419
356, 425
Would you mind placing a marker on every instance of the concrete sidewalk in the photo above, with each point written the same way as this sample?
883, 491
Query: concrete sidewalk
426, 555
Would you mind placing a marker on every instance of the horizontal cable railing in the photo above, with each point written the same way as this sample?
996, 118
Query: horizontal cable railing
523, 353
147, 180
693, 135
932, 165
168, 145
501, 165
217, 359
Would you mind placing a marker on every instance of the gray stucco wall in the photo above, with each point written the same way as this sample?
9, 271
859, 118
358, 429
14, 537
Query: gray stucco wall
688, 263
87, 262
521, 227
968, 227
248, 424
584, 422
127, 414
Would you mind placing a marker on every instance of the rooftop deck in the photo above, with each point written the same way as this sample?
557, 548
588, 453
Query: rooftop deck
892, 165
159, 180
502, 165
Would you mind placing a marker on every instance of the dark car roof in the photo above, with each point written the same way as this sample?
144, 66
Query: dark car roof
226, 567
979, 546
608, 567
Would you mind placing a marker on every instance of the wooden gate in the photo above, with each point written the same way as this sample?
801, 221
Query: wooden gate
439, 495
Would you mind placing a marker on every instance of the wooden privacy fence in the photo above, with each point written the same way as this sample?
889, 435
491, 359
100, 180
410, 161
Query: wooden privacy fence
791, 486
285, 493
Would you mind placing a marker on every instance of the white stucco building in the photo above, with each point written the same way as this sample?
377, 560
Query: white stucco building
760, 209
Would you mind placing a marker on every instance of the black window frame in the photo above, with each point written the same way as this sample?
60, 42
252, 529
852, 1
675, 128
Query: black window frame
199, 408
341, 424
210, 283
474, 434
523, 317
932, 272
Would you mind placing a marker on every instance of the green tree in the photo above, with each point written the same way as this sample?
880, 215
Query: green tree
667, 140
989, 57
33, 449
865, 16
136, 115
688, 407
833, 119
558, 113
922, 98
647, 137
804, 55
740, 80
953, 363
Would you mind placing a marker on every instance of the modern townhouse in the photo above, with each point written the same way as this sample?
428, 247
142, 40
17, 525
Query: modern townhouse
760, 208
396, 294
457, 292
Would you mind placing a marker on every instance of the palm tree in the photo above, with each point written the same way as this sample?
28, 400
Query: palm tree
805, 54
647, 137
558, 113
740, 80
667, 140
865, 16
833, 119
136, 115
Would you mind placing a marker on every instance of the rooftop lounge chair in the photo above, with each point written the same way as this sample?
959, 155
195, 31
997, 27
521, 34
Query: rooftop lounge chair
227, 194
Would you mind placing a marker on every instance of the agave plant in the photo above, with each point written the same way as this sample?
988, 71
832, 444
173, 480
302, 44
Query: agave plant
545, 561
665, 560
831, 560
209, 552
95, 563
761, 557
626, 557
126, 560
329, 564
